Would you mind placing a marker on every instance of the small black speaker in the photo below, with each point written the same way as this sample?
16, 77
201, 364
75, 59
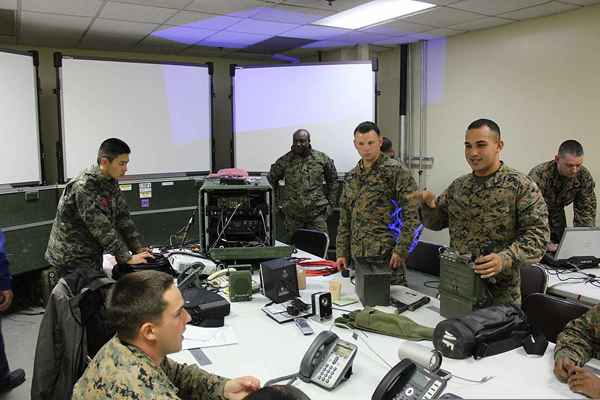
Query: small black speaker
321, 304
279, 279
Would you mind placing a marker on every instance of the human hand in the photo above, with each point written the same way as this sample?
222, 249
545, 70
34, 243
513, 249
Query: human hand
424, 197
584, 381
396, 261
140, 258
552, 247
488, 265
6, 298
239, 388
342, 263
563, 367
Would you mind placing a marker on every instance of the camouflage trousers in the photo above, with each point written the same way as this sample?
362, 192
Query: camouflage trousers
381, 264
287, 225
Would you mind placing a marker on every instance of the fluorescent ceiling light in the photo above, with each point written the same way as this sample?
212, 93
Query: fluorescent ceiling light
373, 12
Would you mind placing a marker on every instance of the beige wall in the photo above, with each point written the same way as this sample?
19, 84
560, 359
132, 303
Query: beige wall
48, 105
539, 79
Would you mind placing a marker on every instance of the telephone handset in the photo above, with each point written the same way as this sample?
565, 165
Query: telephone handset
328, 360
220, 278
407, 381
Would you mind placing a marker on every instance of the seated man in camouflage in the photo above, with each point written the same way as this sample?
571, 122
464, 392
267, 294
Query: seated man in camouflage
494, 209
575, 345
146, 309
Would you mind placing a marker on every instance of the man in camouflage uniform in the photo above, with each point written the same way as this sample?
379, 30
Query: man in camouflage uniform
146, 309
366, 207
309, 190
575, 345
563, 181
495, 208
92, 217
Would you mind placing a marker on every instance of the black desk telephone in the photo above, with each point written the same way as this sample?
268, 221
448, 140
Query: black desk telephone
408, 381
328, 361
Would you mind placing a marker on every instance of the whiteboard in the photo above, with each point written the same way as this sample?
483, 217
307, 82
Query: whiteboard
271, 102
162, 111
20, 160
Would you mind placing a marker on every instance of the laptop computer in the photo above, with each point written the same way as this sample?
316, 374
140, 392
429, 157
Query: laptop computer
579, 246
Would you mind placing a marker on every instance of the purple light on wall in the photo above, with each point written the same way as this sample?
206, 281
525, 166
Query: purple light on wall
261, 27
183, 35
283, 57
436, 69
325, 44
360, 37
233, 40
215, 23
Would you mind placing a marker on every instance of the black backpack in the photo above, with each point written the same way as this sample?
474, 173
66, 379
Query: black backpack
482, 333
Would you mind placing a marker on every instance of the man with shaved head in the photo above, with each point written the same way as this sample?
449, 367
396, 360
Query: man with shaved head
495, 209
306, 187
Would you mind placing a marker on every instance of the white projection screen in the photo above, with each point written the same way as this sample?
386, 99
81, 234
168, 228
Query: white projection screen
162, 111
20, 161
271, 102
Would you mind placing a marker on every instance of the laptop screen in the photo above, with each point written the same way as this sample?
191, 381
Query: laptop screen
579, 242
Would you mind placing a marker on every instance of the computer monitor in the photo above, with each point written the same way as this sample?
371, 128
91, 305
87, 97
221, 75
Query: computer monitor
579, 242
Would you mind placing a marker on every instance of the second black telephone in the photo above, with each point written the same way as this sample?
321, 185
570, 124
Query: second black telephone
407, 381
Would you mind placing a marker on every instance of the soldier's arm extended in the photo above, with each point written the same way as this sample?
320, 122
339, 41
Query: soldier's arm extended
331, 182
194, 383
580, 340
126, 226
99, 224
584, 205
342, 243
533, 233
277, 172
405, 185
435, 218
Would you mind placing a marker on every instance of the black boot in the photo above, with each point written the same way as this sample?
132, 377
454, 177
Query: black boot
12, 380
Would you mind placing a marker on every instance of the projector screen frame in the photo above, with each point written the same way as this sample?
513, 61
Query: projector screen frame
60, 149
34, 54
233, 67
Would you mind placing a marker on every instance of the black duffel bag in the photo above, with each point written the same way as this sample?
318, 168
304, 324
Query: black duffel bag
158, 263
484, 332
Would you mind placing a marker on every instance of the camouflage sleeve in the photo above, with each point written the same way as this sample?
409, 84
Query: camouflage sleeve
194, 383
405, 184
99, 224
331, 180
277, 172
436, 218
533, 232
126, 226
342, 242
584, 206
580, 339
536, 174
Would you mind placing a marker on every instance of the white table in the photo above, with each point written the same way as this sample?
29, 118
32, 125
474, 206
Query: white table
577, 290
269, 350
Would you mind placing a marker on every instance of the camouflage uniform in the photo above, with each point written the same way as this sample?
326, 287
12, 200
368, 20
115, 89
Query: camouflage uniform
310, 188
505, 210
560, 191
365, 208
92, 218
580, 340
122, 371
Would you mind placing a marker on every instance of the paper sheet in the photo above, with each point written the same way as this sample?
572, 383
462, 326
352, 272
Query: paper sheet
195, 337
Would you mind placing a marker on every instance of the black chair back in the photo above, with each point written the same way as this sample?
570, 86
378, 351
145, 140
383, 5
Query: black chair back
533, 280
425, 258
549, 315
312, 241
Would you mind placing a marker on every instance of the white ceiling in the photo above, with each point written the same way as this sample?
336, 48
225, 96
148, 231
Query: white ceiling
200, 27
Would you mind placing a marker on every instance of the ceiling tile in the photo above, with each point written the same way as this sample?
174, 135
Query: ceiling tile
182, 35
483, 23
495, 7
8, 4
360, 37
581, 2
233, 40
554, 7
398, 27
261, 27
291, 15
110, 34
233, 8
189, 19
442, 17
83, 8
328, 44
51, 29
339, 5
442, 32
178, 4
442, 2
136, 13
314, 32
153, 44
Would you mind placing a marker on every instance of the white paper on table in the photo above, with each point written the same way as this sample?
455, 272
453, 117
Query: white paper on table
195, 337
